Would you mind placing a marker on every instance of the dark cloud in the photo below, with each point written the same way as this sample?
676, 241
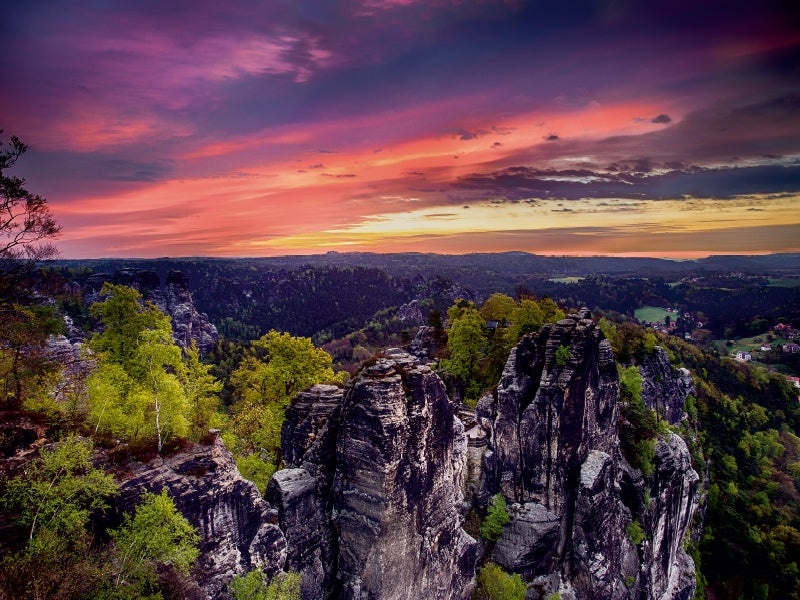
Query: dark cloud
464, 134
662, 118
551, 138
517, 183
127, 170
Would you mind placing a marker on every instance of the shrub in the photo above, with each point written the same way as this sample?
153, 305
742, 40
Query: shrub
496, 518
562, 355
496, 584
635, 532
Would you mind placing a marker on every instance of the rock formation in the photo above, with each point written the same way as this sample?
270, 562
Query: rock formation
174, 300
237, 527
553, 452
664, 389
377, 470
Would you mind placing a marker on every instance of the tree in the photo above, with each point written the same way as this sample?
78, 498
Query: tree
496, 519
202, 394
264, 383
157, 533
466, 342
136, 392
25, 220
496, 584
25, 227
498, 307
254, 586
57, 491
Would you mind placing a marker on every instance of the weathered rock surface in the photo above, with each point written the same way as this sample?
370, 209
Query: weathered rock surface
388, 496
664, 389
553, 448
174, 300
188, 325
238, 528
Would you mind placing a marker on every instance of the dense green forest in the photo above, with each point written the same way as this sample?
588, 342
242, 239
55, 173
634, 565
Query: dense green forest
743, 423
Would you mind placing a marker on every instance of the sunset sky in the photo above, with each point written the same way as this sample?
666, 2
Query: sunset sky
172, 128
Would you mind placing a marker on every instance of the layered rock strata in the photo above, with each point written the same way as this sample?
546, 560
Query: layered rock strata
238, 528
553, 452
378, 470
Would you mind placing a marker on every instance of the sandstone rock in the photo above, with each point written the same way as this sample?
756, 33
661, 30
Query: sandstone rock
187, 324
663, 389
390, 495
553, 448
238, 529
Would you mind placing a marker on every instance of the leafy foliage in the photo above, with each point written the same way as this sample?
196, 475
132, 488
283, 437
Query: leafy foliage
496, 584
476, 353
749, 422
635, 532
157, 533
58, 491
278, 367
136, 393
54, 499
496, 519
641, 425
254, 586
562, 355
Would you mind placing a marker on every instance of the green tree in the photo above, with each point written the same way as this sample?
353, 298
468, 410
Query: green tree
263, 385
157, 534
496, 519
53, 498
136, 392
527, 319
57, 492
286, 365
254, 586
466, 342
562, 355
496, 584
498, 307
202, 395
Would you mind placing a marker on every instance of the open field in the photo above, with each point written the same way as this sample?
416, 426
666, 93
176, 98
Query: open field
652, 314
782, 282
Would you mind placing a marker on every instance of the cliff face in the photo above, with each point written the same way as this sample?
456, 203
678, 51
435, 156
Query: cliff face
553, 451
174, 300
663, 389
238, 528
378, 470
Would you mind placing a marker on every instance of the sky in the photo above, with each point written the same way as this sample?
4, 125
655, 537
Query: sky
611, 127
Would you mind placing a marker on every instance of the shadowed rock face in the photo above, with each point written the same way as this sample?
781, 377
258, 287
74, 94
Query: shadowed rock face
663, 389
238, 528
380, 473
553, 450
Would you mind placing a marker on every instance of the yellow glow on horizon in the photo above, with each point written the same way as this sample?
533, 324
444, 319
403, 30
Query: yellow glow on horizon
634, 219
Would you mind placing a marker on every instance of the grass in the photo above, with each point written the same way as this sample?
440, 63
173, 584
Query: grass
566, 279
748, 344
653, 314
781, 282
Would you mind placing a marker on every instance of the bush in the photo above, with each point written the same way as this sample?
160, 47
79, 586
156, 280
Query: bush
496, 518
496, 584
562, 355
635, 532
